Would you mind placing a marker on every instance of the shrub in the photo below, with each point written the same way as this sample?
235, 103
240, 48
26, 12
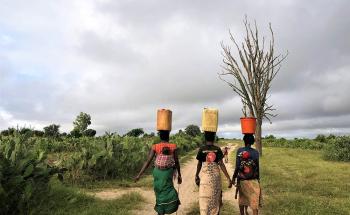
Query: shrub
192, 130
338, 149
296, 143
136, 132
75, 133
24, 176
89, 132
52, 130
321, 138
270, 137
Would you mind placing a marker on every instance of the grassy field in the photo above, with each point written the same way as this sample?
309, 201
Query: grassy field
299, 181
64, 200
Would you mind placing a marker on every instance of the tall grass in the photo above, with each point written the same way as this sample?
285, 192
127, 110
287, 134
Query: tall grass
298, 181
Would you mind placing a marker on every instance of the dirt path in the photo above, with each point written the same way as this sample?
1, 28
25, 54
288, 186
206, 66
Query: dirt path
188, 191
229, 194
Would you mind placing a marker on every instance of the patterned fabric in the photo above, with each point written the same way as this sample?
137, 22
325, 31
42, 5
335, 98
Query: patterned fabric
158, 148
250, 194
247, 157
210, 199
167, 200
164, 155
164, 161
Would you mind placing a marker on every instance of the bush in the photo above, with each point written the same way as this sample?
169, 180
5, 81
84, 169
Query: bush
321, 138
338, 149
296, 143
192, 130
136, 132
270, 137
24, 176
89, 132
38, 133
52, 130
75, 133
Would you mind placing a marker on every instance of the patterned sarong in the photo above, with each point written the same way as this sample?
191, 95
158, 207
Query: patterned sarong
250, 193
167, 200
210, 189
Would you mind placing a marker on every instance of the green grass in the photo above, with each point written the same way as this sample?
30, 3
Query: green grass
227, 209
299, 181
66, 200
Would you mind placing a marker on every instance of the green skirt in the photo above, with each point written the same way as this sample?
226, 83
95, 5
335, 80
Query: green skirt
167, 199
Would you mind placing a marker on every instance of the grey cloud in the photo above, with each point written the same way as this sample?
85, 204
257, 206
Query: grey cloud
168, 55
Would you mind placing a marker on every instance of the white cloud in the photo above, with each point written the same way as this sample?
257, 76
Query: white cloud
121, 60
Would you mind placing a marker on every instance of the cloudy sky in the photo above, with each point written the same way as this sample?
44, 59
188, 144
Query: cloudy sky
121, 60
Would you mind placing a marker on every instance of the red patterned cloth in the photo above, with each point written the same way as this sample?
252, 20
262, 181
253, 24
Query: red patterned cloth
164, 161
158, 148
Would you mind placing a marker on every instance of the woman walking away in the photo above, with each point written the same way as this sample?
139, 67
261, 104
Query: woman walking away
166, 162
209, 159
247, 175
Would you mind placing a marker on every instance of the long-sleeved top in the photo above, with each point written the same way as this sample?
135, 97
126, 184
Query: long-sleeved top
254, 155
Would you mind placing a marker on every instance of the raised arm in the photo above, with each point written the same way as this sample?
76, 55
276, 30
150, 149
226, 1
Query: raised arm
236, 169
145, 165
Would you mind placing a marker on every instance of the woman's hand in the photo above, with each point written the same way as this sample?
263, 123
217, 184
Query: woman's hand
229, 183
179, 179
233, 181
197, 180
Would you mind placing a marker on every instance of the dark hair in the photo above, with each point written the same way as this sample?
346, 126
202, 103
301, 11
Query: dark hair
209, 136
164, 135
248, 139
166, 151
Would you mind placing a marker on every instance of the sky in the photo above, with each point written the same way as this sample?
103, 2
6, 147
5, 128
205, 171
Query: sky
120, 61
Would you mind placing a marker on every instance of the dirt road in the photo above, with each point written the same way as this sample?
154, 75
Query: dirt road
188, 190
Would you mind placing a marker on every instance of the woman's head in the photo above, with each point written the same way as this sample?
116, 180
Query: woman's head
209, 136
164, 135
248, 139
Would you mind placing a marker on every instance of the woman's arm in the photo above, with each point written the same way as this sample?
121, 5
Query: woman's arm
199, 167
236, 169
177, 166
145, 165
224, 170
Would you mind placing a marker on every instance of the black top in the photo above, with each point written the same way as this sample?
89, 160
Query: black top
209, 153
254, 155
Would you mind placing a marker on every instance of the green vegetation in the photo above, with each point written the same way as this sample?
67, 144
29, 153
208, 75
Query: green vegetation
28, 162
297, 181
24, 176
136, 132
334, 148
338, 149
64, 200
295, 143
192, 130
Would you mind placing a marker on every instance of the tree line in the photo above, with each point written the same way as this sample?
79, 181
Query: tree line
80, 129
